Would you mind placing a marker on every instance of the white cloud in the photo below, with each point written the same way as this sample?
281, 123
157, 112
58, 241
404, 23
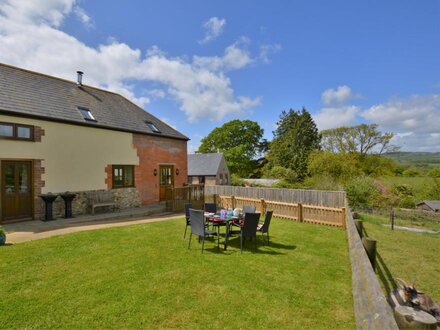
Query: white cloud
236, 56
83, 16
339, 95
29, 38
418, 114
336, 117
213, 28
51, 12
266, 50
415, 121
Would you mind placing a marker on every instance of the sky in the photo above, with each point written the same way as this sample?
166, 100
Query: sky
199, 64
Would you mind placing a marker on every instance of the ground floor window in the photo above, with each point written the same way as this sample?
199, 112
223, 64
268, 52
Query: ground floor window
123, 176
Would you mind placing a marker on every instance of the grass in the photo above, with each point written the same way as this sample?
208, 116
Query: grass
143, 276
407, 255
419, 184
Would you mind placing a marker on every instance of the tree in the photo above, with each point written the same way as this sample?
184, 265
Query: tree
295, 137
363, 139
240, 141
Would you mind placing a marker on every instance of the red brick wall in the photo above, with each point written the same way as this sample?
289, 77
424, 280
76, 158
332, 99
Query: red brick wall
154, 151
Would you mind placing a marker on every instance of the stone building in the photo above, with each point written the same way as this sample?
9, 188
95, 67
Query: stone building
57, 135
432, 206
208, 169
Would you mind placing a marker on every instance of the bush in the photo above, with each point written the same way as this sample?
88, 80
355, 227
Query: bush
434, 173
361, 191
338, 167
434, 190
403, 190
410, 173
236, 181
407, 202
282, 173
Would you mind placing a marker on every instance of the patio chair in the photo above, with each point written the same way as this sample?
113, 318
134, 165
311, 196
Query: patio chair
211, 207
187, 216
197, 220
264, 228
246, 209
249, 228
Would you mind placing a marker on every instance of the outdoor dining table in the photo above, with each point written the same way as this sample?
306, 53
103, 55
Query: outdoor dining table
227, 220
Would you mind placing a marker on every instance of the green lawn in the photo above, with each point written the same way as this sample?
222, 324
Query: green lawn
407, 255
143, 276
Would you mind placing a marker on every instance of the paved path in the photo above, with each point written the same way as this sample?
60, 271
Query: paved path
33, 230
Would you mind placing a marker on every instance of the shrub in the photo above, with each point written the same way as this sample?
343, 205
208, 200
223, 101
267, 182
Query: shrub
434, 173
282, 173
434, 191
361, 191
410, 173
403, 190
407, 202
236, 181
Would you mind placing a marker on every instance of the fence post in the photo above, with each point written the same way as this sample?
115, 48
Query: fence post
359, 226
173, 205
300, 212
233, 201
343, 217
215, 199
370, 248
263, 206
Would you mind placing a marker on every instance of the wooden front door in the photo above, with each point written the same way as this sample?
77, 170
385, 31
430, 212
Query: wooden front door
16, 190
166, 180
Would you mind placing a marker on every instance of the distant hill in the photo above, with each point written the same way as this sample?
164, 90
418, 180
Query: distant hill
416, 159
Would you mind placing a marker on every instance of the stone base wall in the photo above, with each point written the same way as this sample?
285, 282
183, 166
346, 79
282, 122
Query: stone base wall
125, 197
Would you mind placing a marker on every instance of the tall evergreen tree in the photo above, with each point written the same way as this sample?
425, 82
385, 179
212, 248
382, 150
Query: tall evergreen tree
295, 137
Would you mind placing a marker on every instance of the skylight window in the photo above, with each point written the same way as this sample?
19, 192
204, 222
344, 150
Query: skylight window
152, 127
87, 114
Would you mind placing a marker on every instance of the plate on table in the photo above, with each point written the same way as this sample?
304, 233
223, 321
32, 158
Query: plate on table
207, 214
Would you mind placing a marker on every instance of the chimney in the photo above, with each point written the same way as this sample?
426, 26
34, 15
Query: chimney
80, 77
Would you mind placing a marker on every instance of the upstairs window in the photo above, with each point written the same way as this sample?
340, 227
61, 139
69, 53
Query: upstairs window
16, 131
152, 127
123, 176
86, 113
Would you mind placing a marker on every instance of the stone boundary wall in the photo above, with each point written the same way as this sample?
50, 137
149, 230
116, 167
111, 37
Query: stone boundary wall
371, 308
124, 197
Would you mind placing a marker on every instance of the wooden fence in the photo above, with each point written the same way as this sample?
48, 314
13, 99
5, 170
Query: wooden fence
177, 197
295, 211
335, 199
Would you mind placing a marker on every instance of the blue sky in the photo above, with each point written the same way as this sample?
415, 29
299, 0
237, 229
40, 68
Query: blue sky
199, 64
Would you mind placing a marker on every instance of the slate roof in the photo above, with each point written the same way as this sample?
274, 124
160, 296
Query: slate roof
204, 164
434, 205
31, 94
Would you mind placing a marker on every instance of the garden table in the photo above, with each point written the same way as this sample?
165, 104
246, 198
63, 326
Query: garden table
227, 221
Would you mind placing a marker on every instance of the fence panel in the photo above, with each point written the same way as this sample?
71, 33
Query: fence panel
334, 199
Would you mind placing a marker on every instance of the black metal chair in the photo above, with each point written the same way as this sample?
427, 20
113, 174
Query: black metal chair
197, 220
187, 216
211, 207
246, 209
249, 229
264, 228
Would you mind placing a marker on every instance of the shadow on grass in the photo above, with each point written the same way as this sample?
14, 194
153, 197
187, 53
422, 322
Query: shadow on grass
382, 270
385, 275
273, 248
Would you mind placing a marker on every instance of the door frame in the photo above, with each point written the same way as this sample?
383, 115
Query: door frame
32, 190
172, 177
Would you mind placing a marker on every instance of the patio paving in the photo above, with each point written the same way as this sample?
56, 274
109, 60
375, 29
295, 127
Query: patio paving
32, 230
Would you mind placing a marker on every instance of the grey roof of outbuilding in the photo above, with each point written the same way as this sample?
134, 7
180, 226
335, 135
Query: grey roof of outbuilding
204, 164
31, 94
435, 205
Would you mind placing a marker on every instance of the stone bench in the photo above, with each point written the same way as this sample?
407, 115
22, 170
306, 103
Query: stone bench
101, 199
